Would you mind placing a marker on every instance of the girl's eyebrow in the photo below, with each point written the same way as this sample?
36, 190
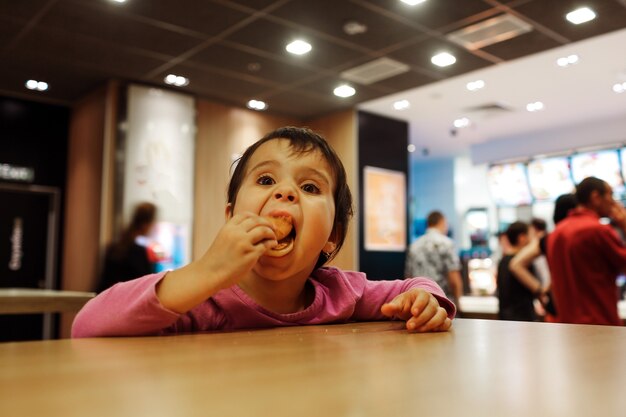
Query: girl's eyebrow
263, 164
310, 171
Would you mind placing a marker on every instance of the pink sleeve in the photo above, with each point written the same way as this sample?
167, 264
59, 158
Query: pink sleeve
127, 309
377, 293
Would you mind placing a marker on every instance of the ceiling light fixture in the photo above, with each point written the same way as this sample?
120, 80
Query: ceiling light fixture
443, 59
462, 122
475, 85
257, 105
566, 61
412, 2
176, 80
118, 1
401, 105
536, 106
36, 85
344, 90
352, 27
619, 87
299, 47
582, 15
411, 148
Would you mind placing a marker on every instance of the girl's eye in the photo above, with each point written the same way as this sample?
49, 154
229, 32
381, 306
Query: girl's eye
310, 188
265, 180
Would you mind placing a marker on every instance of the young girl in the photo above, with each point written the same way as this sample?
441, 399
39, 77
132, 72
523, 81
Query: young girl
287, 215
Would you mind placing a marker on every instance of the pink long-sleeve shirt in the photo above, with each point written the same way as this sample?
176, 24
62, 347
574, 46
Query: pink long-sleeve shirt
132, 308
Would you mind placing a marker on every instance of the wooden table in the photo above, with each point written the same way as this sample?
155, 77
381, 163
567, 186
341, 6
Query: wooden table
480, 368
33, 300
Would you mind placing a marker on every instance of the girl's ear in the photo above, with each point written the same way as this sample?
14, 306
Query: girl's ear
329, 247
229, 211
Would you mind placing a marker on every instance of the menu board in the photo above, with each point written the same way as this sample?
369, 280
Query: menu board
508, 184
601, 164
550, 178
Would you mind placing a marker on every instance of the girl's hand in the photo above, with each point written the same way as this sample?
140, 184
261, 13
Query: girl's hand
420, 309
237, 247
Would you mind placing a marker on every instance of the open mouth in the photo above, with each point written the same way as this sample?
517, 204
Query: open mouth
285, 235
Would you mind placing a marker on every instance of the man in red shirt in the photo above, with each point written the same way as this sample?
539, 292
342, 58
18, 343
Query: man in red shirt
586, 256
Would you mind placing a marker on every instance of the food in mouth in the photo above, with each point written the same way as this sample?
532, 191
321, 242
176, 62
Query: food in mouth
285, 234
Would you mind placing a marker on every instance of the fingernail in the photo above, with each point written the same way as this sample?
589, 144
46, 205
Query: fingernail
411, 326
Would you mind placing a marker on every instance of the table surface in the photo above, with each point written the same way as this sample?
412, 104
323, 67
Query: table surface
34, 300
480, 368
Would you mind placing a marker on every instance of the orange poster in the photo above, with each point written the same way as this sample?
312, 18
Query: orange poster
385, 209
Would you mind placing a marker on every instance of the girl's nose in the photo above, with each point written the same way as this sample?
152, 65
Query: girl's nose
285, 193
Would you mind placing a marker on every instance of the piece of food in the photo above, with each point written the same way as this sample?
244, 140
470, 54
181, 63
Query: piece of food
282, 226
285, 234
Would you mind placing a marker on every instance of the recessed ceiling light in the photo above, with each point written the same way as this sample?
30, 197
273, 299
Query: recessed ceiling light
619, 87
582, 15
412, 2
566, 61
401, 105
176, 80
536, 106
462, 122
257, 105
475, 85
36, 85
344, 90
411, 148
352, 27
443, 59
298, 47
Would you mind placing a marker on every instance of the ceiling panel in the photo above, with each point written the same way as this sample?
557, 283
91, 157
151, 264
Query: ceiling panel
420, 53
76, 20
231, 59
233, 50
190, 15
611, 15
526, 44
382, 31
273, 37
434, 14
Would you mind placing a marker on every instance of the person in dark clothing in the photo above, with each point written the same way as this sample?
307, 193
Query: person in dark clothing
519, 265
125, 259
516, 301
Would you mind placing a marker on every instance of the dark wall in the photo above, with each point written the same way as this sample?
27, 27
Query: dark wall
35, 135
382, 144
32, 135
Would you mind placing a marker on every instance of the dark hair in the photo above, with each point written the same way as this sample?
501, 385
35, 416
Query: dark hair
588, 186
563, 204
303, 140
434, 217
514, 231
540, 225
144, 215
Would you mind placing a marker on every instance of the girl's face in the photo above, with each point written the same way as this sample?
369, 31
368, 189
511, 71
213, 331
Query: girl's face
280, 182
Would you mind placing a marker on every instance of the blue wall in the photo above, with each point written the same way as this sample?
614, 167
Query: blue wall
431, 187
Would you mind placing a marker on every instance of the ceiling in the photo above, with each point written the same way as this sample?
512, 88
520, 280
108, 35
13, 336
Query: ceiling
233, 51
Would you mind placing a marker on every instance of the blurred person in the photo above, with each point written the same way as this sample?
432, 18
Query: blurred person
586, 256
126, 259
515, 299
433, 255
536, 249
537, 229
